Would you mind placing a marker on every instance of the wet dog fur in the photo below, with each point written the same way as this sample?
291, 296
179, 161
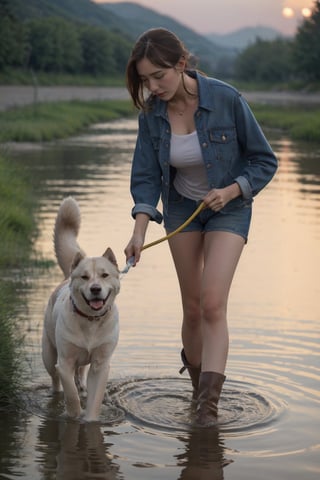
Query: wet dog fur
81, 326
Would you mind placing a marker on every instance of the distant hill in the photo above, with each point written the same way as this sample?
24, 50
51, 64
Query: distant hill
77, 10
127, 19
242, 38
140, 18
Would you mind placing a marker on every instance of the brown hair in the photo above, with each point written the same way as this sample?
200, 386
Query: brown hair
162, 48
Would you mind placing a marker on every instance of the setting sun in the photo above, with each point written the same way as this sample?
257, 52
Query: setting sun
306, 12
288, 12
294, 8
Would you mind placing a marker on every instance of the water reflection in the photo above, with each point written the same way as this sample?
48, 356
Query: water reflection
203, 456
271, 398
74, 451
14, 428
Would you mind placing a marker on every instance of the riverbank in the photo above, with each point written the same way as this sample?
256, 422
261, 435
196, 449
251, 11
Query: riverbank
44, 117
17, 231
54, 120
17, 226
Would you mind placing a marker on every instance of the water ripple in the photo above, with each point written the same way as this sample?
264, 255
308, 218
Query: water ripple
164, 404
41, 402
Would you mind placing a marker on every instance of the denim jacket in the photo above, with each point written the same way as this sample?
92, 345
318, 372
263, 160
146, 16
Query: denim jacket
234, 149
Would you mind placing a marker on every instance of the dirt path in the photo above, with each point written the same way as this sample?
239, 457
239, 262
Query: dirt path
11, 96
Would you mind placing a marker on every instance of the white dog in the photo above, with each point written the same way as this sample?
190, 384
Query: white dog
81, 326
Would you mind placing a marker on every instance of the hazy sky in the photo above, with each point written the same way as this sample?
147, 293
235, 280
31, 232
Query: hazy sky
223, 16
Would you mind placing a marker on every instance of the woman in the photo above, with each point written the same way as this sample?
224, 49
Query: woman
197, 141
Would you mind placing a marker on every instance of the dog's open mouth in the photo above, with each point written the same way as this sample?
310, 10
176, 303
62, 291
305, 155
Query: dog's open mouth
96, 303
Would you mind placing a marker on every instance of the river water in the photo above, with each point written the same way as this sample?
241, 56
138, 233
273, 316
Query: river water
269, 409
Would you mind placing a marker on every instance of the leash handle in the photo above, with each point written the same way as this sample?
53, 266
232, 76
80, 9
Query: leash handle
179, 229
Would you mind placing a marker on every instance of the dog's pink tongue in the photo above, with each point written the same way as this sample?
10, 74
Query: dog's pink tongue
96, 304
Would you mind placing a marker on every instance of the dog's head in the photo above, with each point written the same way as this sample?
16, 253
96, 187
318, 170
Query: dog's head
94, 282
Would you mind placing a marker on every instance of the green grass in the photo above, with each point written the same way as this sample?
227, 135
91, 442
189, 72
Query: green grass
49, 121
17, 231
11, 347
17, 227
300, 123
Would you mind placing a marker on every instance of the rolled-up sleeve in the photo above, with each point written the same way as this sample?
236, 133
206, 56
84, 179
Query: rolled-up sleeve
245, 187
153, 213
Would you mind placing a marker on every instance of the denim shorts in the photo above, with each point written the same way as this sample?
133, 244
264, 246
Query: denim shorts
235, 217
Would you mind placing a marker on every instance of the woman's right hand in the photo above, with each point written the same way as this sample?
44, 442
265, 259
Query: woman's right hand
134, 247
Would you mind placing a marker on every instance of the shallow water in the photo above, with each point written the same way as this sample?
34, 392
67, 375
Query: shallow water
269, 409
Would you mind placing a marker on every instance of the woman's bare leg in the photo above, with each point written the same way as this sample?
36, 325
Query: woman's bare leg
222, 251
187, 253
205, 265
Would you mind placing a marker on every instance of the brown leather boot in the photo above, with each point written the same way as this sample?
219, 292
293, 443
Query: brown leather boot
194, 373
210, 386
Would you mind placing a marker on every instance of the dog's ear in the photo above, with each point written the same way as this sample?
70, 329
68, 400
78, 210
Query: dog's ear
76, 260
109, 255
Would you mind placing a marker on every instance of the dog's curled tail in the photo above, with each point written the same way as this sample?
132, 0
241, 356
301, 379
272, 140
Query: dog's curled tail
66, 231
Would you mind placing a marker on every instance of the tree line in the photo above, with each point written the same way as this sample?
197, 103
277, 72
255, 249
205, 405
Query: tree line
282, 60
57, 45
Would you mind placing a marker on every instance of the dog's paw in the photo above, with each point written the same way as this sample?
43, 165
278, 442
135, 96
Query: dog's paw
80, 380
74, 411
89, 418
81, 387
56, 389
68, 416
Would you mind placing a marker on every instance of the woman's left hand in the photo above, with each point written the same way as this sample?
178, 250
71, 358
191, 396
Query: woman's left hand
218, 198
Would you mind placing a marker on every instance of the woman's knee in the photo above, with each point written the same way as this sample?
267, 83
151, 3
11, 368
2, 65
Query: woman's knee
192, 314
213, 309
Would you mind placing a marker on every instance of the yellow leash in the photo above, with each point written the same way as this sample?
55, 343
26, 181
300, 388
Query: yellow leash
130, 261
179, 229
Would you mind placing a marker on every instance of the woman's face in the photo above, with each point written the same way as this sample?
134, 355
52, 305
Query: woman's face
160, 81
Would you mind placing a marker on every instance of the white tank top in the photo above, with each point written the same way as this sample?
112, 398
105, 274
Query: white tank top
185, 155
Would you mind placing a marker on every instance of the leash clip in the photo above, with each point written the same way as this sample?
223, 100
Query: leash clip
127, 267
